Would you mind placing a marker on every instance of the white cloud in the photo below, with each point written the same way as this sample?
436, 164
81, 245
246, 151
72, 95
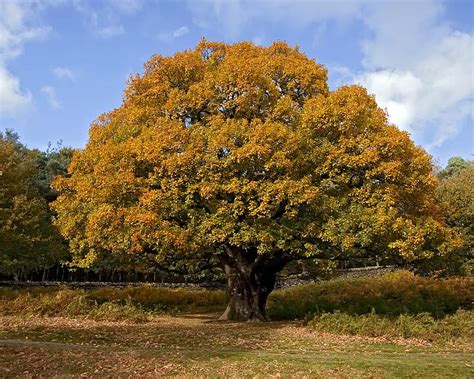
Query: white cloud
402, 32
168, 37
15, 27
103, 18
419, 67
397, 91
339, 75
423, 72
51, 97
233, 16
125, 6
64, 73
102, 25
19, 24
12, 100
109, 31
181, 31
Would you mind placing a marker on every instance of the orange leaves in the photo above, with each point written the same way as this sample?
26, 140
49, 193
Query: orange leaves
245, 145
346, 113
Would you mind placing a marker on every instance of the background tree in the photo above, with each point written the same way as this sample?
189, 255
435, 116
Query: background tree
454, 166
241, 154
51, 163
456, 196
28, 241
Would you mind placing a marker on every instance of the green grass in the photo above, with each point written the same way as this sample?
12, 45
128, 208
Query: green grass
198, 346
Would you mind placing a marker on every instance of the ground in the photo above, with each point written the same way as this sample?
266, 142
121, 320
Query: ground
197, 345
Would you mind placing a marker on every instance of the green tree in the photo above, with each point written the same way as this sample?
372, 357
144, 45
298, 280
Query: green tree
51, 163
28, 241
241, 154
454, 166
456, 196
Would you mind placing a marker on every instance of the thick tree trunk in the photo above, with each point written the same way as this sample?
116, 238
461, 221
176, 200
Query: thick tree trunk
250, 279
244, 299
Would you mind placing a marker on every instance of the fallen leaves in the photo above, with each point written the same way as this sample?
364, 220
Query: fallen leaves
194, 347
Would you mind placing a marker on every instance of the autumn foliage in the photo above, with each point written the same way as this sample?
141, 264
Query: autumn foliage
241, 154
455, 194
28, 241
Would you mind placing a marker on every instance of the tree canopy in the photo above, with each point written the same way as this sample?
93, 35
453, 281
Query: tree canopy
51, 163
455, 165
241, 154
28, 241
456, 196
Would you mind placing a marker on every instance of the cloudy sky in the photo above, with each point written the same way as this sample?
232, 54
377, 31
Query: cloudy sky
64, 62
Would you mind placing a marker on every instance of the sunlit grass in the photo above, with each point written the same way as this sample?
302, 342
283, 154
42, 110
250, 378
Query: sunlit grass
391, 294
423, 326
198, 346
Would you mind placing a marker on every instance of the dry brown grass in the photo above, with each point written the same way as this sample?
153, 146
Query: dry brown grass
197, 345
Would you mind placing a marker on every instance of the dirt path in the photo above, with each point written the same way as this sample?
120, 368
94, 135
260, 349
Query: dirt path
200, 346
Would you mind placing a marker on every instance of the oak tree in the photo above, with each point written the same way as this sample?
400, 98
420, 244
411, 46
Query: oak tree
241, 154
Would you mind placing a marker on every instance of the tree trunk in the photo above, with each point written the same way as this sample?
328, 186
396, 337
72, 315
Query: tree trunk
250, 279
244, 304
45, 274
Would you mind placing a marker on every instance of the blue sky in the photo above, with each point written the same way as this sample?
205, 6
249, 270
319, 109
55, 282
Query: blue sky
64, 62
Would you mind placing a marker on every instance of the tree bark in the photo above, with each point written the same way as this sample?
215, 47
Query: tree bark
45, 274
250, 279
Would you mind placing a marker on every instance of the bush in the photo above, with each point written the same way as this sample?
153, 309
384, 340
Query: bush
159, 298
44, 302
111, 311
114, 304
391, 294
423, 326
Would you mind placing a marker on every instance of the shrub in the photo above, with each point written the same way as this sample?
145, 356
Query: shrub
423, 326
111, 311
390, 294
158, 298
114, 304
45, 302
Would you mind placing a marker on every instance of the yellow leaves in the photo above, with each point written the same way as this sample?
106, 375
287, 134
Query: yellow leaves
346, 112
245, 145
411, 240
209, 190
286, 111
423, 239
140, 218
87, 260
348, 242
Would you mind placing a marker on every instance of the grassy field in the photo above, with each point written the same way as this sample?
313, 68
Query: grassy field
395, 325
196, 345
